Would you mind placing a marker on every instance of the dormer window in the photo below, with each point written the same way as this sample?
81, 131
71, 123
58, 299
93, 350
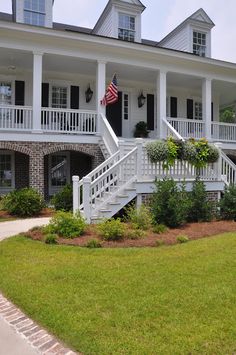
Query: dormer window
34, 12
126, 29
199, 43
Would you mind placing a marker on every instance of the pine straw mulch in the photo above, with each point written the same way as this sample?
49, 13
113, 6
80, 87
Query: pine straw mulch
46, 212
192, 231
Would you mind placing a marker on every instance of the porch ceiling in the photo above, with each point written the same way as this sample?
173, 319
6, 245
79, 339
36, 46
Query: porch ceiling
226, 92
184, 81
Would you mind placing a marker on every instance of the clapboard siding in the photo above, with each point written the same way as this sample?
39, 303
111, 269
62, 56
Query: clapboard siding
178, 40
106, 28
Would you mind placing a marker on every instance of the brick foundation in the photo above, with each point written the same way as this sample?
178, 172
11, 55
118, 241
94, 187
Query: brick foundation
31, 168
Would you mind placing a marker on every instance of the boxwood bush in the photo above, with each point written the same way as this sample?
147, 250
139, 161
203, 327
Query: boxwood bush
26, 202
63, 200
66, 225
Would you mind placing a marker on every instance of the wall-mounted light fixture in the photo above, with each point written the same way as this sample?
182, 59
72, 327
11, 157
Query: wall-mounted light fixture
88, 94
141, 100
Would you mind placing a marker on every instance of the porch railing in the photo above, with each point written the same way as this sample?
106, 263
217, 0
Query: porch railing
224, 131
69, 121
16, 118
188, 128
108, 135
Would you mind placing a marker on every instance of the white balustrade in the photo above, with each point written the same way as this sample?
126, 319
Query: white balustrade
188, 128
224, 131
228, 169
69, 121
15, 118
169, 130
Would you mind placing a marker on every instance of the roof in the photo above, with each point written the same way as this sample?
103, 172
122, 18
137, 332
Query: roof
199, 16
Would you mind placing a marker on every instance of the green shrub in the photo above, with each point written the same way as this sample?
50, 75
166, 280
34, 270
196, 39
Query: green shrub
159, 242
51, 239
66, 225
63, 200
213, 153
111, 229
200, 208
93, 244
159, 228
135, 234
141, 130
182, 239
228, 203
157, 151
26, 202
140, 218
169, 204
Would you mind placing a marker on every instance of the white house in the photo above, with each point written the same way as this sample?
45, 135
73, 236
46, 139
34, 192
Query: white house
53, 77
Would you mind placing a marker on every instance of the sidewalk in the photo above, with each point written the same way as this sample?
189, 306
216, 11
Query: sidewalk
10, 228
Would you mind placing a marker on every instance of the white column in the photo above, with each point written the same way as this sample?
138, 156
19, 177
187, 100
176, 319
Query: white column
206, 106
76, 193
37, 90
161, 101
101, 85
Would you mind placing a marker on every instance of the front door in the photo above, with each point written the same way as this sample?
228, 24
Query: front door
114, 115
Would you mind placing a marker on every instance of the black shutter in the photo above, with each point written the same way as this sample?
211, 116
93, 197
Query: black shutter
190, 109
212, 111
19, 93
74, 97
19, 99
45, 95
150, 112
173, 107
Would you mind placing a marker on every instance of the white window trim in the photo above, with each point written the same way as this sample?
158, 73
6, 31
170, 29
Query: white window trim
61, 84
135, 22
55, 189
206, 45
126, 122
5, 190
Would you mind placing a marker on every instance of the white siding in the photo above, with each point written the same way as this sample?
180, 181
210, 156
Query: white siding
178, 40
106, 27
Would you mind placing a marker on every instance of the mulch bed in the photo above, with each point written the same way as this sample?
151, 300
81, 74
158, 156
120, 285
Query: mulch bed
46, 212
192, 231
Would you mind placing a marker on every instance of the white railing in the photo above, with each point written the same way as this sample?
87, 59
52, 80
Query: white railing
108, 135
16, 118
188, 128
69, 121
169, 130
224, 131
180, 170
100, 190
228, 169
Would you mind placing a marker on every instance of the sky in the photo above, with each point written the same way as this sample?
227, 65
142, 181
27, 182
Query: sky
159, 18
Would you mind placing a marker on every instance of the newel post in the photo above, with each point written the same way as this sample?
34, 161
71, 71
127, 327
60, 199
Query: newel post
76, 193
139, 163
219, 163
86, 198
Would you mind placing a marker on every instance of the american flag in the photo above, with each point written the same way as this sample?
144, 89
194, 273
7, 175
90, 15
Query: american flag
111, 95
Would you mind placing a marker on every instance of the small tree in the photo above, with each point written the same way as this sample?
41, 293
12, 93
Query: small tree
200, 209
170, 204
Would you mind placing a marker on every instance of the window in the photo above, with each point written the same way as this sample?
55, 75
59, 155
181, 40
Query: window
58, 170
126, 107
6, 171
34, 12
126, 30
59, 97
5, 93
198, 111
199, 43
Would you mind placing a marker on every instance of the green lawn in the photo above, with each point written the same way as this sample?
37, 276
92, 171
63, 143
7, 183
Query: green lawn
169, 300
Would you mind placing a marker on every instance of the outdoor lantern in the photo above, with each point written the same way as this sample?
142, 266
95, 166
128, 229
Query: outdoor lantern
141, 100
88, 94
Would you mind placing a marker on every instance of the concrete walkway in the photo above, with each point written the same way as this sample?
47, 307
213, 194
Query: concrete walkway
19, 335
10, 228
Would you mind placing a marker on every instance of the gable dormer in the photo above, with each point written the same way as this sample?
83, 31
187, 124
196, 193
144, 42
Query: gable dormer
192, 35
121, 19
33, 12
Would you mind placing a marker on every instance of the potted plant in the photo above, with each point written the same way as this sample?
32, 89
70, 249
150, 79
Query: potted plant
140, 130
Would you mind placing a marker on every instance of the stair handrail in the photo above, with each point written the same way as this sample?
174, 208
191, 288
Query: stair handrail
108, 135
228, 169
172, 129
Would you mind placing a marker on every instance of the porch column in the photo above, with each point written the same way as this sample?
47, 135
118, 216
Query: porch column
161, 102
37, 90
101, 88
36, 171
206, 106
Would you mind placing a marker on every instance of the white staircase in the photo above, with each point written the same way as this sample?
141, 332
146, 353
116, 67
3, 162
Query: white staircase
113, 184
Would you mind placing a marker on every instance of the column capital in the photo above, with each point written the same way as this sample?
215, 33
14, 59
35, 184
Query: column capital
38, 53
101, 62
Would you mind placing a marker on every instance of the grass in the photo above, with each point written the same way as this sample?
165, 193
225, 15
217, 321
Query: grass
171, 300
